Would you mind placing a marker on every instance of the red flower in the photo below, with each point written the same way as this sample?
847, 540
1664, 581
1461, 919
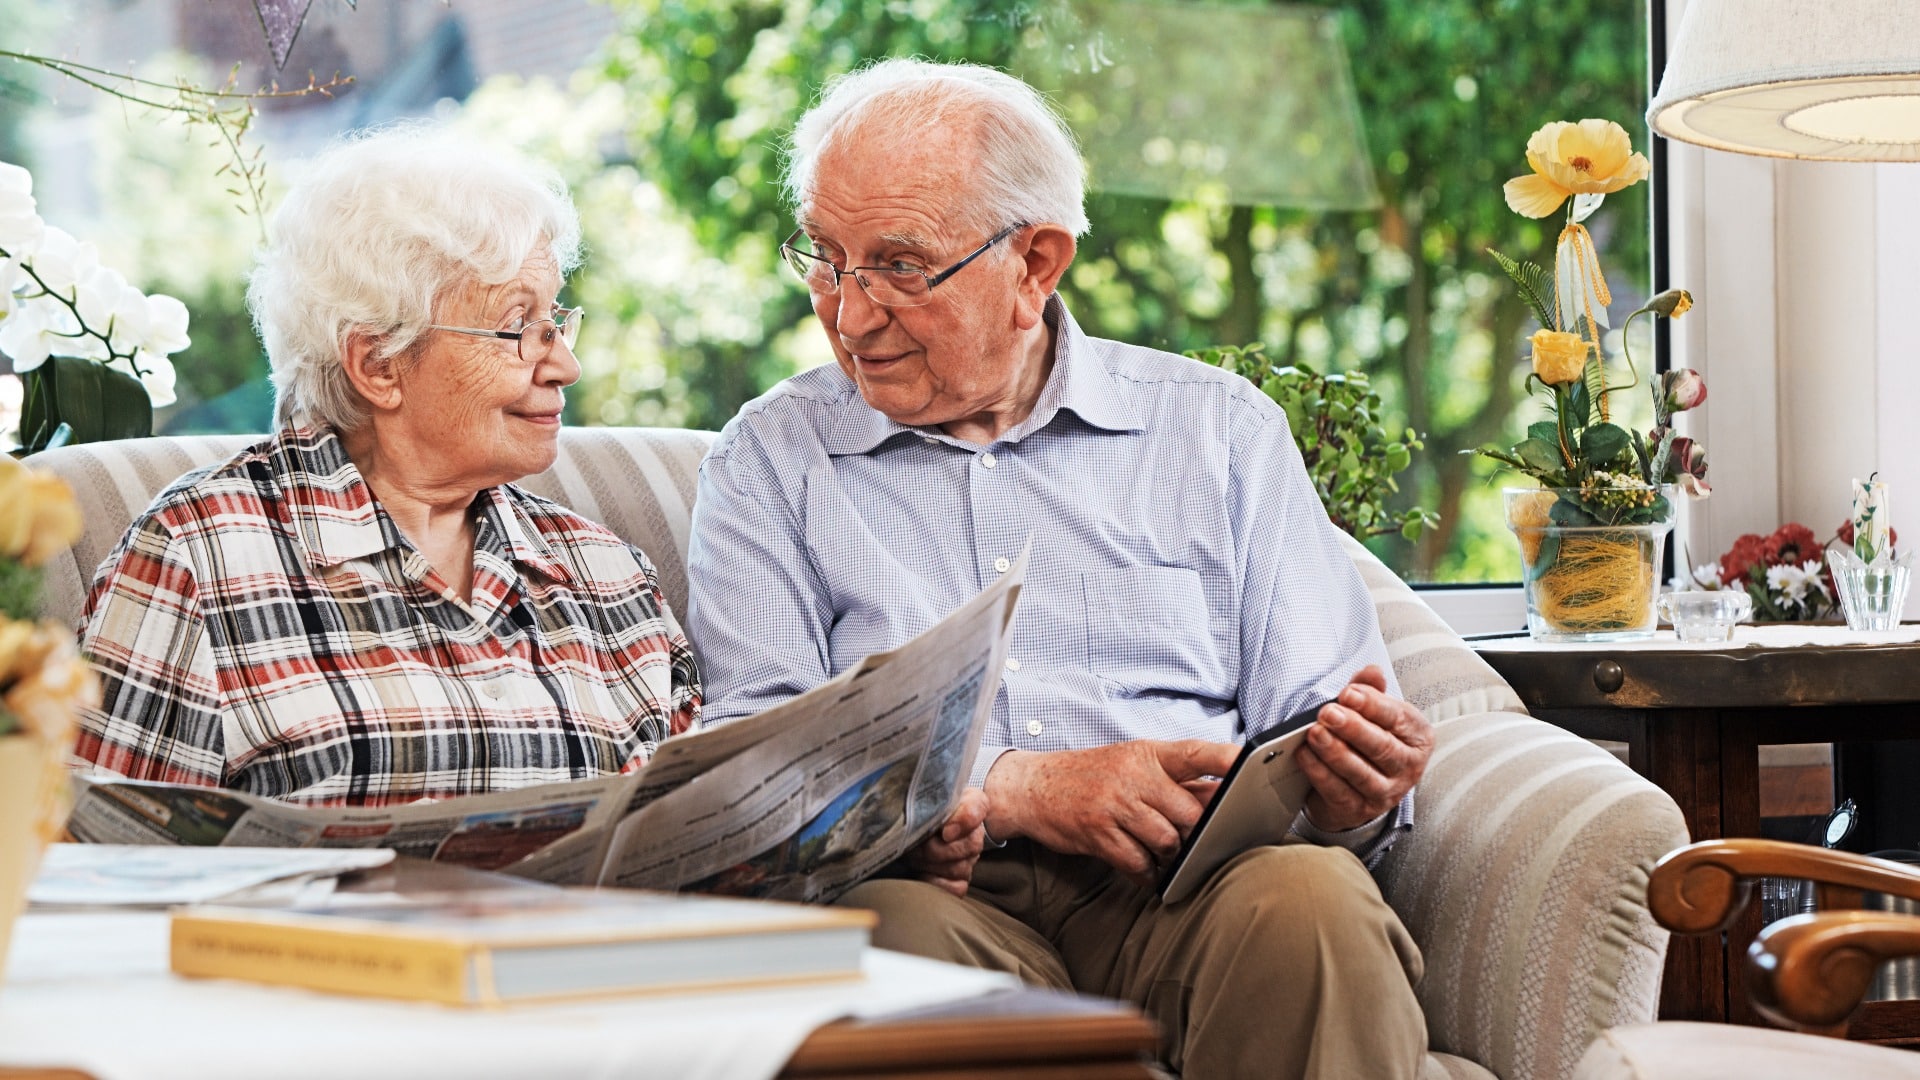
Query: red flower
1790, 545
1747, 551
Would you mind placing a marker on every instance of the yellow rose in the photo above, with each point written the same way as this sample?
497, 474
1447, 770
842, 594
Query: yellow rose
46, 695
1592, 157
1558, 357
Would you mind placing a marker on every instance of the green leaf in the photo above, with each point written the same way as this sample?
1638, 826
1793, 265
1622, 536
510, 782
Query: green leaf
1533, 284
97, 402
1538, 454
1544, 430
1603, 442
1579, 406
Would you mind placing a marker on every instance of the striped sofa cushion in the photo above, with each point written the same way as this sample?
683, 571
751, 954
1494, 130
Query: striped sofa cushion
637, 481
1524, 880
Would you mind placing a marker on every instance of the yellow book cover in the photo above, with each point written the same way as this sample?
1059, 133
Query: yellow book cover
518, 944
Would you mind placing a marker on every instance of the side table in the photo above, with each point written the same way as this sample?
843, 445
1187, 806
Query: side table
1694, 717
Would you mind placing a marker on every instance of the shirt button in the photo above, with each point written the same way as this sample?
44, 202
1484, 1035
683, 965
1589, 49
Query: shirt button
928, 439
988, 460
492, 688
1012, 664
1033, 727
1001, 564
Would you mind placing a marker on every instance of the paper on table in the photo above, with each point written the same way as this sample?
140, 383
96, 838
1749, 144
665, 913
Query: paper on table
140, 875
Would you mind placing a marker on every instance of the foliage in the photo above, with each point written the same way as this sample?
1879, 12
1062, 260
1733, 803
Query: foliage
1335, 422
709, 88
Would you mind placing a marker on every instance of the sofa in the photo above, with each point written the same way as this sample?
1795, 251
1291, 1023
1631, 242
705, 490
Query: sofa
1524, 881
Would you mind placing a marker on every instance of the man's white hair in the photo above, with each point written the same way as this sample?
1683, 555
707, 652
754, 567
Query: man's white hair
1029, 167
377, 229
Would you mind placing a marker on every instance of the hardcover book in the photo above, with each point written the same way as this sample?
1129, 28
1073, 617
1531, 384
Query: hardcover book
501, 946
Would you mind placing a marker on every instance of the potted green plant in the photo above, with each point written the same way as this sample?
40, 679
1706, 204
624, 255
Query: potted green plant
1335, 419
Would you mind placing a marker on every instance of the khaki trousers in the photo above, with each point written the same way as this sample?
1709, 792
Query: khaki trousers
1287, 964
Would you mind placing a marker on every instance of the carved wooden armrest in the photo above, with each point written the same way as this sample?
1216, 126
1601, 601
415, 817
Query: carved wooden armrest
1810, 971
1701, 888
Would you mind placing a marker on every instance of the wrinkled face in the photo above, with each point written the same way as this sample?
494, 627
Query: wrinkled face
955, 358
490, 417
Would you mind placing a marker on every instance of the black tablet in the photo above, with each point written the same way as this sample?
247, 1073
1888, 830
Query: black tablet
1255, 804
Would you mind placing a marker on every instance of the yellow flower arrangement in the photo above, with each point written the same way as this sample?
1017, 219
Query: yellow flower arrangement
43, 680
1606, 473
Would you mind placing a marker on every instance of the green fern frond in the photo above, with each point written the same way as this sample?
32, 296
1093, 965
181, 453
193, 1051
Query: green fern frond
1533, 283
1596, 379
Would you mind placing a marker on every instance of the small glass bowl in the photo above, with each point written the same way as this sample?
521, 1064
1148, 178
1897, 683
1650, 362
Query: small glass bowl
1706, 614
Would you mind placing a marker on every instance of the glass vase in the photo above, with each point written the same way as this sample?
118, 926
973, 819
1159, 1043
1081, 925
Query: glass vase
1586, 581
1871, 596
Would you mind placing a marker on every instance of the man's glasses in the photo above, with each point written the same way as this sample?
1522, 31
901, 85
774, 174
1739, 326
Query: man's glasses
891, 286
535, 339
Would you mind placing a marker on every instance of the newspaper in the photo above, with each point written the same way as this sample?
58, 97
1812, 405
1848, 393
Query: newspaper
800, 802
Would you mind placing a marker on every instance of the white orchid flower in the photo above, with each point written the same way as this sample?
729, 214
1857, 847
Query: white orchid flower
11, 278
132, 321
36, 330
61, 261
20, 224
159, 377
166, 325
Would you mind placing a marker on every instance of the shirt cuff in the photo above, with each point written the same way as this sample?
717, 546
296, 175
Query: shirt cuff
1370, 841
983, 763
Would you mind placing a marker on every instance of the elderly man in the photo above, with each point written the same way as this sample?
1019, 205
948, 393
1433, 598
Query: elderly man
1186, 591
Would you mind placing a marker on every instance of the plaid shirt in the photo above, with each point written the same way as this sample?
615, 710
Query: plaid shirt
265, 626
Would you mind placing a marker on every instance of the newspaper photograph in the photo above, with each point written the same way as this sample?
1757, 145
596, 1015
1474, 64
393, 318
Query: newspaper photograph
799, 802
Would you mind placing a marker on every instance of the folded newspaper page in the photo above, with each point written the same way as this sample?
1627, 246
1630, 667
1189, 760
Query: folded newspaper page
800, 802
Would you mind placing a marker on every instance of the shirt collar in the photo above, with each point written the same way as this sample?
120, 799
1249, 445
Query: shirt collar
337, 519
1079, 383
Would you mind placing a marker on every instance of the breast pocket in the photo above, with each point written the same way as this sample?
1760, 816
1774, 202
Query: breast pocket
1149, 630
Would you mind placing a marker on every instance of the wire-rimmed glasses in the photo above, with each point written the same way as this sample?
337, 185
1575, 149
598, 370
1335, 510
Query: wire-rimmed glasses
890, 286
535, 339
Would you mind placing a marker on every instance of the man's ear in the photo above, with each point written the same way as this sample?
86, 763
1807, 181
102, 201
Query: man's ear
375, 378
1047, 252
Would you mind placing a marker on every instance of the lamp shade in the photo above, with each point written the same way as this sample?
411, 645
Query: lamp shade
1835, 80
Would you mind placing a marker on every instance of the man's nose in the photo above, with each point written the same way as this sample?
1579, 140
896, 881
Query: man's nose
859, 315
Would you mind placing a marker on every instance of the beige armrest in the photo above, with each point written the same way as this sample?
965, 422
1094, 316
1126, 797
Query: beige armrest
1702, 887
1811, 971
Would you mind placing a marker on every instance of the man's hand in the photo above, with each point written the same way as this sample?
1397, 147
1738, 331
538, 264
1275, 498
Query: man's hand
1127, 804
946, 858
1367, 752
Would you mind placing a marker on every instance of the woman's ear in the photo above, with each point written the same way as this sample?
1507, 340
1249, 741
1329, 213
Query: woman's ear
374, 377
1047, 252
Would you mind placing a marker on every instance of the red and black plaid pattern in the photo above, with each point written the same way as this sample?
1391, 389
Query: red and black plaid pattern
265, 626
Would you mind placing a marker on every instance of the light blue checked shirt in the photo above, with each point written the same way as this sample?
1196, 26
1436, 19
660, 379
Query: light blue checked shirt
1184, 581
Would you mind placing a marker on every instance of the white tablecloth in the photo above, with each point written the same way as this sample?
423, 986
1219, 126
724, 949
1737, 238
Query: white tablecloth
92, 991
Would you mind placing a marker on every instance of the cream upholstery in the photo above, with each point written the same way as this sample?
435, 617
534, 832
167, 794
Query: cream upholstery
1524, 881
1686, 1051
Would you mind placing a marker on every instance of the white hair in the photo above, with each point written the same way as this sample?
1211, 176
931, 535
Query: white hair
1029, 169
379, 227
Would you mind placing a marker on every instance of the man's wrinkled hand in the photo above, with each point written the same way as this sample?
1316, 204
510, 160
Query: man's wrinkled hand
1368, 750
1128, 804
947, 857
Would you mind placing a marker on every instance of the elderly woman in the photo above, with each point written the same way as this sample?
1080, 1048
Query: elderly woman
363, 608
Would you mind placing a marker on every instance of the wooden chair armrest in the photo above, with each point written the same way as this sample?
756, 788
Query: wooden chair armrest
1811, 971
1700, 888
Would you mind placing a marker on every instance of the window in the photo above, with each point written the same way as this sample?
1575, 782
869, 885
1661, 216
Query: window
1321, 177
